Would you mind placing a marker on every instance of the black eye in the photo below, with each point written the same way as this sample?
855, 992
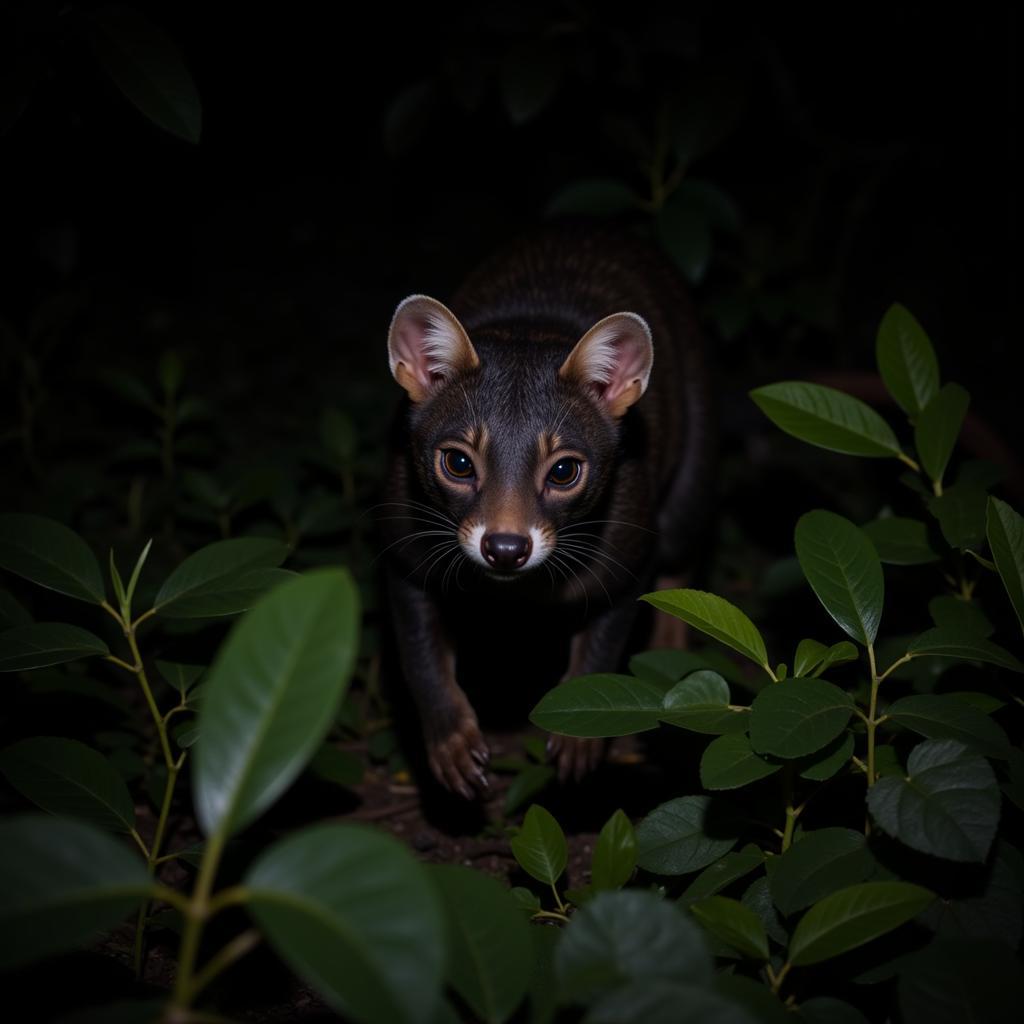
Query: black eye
457, 464
565, 472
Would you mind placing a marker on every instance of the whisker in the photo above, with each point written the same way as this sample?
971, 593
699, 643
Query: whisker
409, 538
575, 558
596, 552
614, 522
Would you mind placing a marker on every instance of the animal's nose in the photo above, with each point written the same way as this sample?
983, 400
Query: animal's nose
506, 550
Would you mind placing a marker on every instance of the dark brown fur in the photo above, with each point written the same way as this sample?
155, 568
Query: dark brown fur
640, 511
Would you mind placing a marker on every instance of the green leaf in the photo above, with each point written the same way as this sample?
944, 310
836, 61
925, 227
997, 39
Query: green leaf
736, 925
758, 897
527, 784
843, 569
953, 613
683, 835
819, 864
723, 873
944, 717
906, 360
67, 777
851, 917
625, 936
62, 882
341, 767
46, 643
614, 853
181, 677
599, 705
540, 846
663, 1001
901, 541
700, 703
137, 571
593, 197
490, 953
524, 899
754, 998
837, 654
949, 643
798, 717
948, 805
716, 617
1005, 531
115, 578
961, 515
809, 655
47, 553
352, 913
938, 427
827, 418
271, 696
220, 579
829, 760
146, 66
951, 981
665, 667
729, 762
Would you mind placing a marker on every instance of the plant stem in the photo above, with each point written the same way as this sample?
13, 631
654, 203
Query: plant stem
872, 721
778, 979
140, 672
558, 900
232, 952
550, 914
194, 920
907, 460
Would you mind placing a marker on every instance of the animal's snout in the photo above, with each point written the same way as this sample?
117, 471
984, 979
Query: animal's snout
506, 550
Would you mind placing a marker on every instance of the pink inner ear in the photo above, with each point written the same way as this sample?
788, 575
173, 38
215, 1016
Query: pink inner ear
629, 362
409, 347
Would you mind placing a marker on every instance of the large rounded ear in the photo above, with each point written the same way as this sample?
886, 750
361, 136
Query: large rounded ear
614, 360
427, 346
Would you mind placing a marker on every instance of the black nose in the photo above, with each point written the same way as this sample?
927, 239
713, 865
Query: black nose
506, 550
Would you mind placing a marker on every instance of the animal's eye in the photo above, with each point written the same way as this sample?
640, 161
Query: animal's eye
565, 472
457, 464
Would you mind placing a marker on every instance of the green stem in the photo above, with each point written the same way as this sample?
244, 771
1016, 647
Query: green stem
892, 668
140, 672
778, 979
549, 914
198, 911
231, 953
142, 846
558, 900
907, 460
872, 709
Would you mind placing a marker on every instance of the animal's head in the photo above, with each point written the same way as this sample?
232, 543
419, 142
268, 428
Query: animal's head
512, 438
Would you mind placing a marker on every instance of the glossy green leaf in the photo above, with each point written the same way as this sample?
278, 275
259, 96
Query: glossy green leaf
837, 654
716, 877
133, 582
825, 763
961, 515
61, 883
809, 655
666, 666
798, 717
271, 696
955, 980
181, 677
625, 936
115, 579
827, 418
951, 612
944, 717
47, 643
540, 846
527, 784
684, 835
901, 541
350, 910
938, 427
736, 925
67, 777
49, 554
614, 853
221, 579
947, 805
700, 703
984, 702
851, 917
147, 67
490, 954
716, 617
758, 897
818, 864
906, 360
730, 762
1005, 531
843, 569
598, 706
949, 643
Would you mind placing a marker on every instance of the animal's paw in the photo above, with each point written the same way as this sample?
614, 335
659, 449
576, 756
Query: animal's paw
459, 756
575, 757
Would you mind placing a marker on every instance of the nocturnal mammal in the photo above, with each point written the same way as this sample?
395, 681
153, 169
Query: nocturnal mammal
553, 454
